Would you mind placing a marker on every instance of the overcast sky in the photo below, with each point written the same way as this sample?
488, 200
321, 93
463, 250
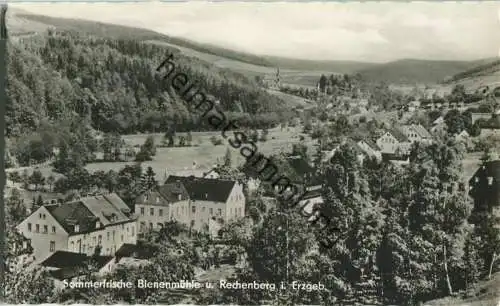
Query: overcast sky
332, 31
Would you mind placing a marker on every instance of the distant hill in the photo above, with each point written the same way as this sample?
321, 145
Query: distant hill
348, 67
484, 74
294, 71
411, 71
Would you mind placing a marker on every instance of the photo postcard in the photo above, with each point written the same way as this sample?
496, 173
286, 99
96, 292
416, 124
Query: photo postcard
250, 153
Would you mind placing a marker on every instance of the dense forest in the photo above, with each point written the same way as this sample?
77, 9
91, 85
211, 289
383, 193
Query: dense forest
111, 84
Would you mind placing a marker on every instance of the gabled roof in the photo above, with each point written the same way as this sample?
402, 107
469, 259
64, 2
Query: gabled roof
126, 250
370, 143
171, 192
421, 131
108, 209
70, 214
204, 189
400, 136
300, 165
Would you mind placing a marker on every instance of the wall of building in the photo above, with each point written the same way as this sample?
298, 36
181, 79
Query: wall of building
111, 238
151, 216
41, 240
387, 143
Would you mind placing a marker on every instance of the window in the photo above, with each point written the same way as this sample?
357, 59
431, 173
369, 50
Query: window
108, 235
45, 229
142, 211
53, 229
37, 228
193, 209
72, 245
220, 212
211, 211
99, 240
52, 246
122, 238
152, 211
40, 216
150, 225
231, 211
113, 235
180, 197
94, 239
29, 227
84, 248
160, 212
143, 226
133, 231
157, 200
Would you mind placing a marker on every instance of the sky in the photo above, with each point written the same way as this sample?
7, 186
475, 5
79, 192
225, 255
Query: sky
373, 32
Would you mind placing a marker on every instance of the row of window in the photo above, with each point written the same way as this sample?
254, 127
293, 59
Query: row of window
178, 210
37, 228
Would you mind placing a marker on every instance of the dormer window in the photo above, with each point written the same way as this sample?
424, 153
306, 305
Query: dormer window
476, 179
77, 228
206, 195
179, 197
157, 200
490, 180
97, 224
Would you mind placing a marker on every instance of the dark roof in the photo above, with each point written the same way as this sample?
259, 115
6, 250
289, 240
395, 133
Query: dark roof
126, 250
300, 165
172, 191
490, 168
107, 209
71, 260
372, 144
70, 214
393, 156
204, 189
398, 135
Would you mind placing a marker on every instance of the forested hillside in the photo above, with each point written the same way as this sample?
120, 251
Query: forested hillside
111, 83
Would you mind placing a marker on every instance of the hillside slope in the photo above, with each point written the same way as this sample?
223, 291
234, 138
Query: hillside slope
411, 71
486, 74
106, 74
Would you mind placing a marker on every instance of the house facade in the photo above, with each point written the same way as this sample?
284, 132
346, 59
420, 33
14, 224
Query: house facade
369, 148
393, 141
88, 224
416, 133
193, 201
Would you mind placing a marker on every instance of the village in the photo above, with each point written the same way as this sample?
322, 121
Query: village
360, 183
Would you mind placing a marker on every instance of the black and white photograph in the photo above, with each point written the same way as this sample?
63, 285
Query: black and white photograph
251, 153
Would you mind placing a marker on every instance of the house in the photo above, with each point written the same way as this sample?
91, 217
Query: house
484, 186
393, 140
252, 183
193, 201
154, 207
102, 222
416, 133
370, 148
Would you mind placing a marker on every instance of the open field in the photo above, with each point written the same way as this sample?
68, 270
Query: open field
288, 76
181, 159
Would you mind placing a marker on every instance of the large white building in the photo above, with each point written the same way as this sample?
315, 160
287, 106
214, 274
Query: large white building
104, 222
194, 201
